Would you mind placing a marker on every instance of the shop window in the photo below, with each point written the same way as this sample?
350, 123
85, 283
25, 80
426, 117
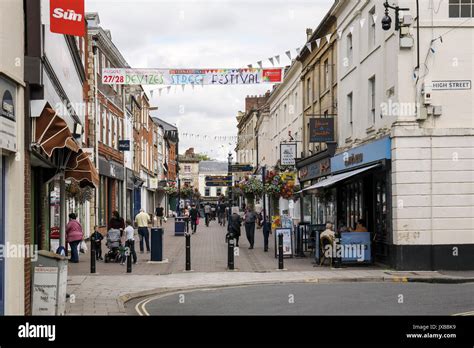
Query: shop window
207, 192
349, 49
326, 75
307, 208
372, 100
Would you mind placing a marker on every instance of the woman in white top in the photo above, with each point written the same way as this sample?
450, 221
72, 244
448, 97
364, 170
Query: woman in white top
130, 239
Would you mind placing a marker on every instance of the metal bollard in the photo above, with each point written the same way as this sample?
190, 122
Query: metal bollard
230, 254
129, 258
188, 251
280, 251
92, 257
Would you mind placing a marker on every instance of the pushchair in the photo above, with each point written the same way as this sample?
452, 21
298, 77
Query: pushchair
116, 251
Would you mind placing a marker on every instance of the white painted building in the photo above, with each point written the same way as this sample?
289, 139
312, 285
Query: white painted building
211, 168
12, 159
420, 104
286, 112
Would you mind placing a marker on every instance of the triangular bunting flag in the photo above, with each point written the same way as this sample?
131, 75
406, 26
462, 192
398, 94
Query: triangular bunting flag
192, 86
362, 21
328, 37
278, 59
309, 46
339, 33
318, 42
259, 64
250, 66
151, 93
182, 87
374, 17
288, 53
271, 61
298, 50
168, 88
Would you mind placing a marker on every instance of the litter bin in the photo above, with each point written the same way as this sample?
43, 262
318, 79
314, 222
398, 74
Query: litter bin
156, 244
179, 226
49, 284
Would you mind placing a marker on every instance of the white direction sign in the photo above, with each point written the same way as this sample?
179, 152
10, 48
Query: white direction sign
451, 85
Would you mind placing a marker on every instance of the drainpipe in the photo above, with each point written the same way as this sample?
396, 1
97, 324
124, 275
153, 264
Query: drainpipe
62, 210
97, 129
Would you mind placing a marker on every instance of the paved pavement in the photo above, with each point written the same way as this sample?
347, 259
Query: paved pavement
105, 292
315, 299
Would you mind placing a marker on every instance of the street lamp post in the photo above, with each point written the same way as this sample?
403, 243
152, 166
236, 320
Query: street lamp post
229, 173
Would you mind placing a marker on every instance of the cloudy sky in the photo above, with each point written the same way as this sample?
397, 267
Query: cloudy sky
207, 34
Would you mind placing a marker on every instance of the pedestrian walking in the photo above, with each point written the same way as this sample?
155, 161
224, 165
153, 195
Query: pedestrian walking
194, 217
235, 222
142, 220
74, 236
159, 212
221, 208
96, 239
250, 219
130, 240
207, 213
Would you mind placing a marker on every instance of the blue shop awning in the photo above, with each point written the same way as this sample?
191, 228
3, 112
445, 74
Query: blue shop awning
331, 180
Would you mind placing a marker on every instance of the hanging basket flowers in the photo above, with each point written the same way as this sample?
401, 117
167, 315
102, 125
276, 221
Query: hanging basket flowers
251, 186
276, 187
186, 191
171, 189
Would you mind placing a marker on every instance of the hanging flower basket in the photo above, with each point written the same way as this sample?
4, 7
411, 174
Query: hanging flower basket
251, 187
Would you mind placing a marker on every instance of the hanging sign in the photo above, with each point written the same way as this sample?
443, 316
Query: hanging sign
321, 130
247, 76
236, 168
288, 154
67, 17
219, 181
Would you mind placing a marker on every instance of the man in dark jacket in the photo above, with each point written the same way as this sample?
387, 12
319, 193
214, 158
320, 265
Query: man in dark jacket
250, 219
233, 228
193, 216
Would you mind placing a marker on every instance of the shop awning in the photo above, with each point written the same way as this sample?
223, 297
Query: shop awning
52, 133
81, 169
338, 177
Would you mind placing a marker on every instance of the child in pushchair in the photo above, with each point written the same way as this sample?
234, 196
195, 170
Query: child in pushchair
116, 251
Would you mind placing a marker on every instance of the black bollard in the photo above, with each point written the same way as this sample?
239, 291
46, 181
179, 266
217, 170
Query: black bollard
92, 257
188, 251
129, 258
230, 254
280, 251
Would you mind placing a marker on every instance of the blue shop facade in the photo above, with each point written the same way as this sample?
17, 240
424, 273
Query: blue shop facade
349, 186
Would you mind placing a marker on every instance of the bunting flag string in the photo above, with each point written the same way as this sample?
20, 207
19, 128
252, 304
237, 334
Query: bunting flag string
278, 59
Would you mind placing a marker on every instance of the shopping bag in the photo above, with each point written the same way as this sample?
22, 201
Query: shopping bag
197, 221
83, 247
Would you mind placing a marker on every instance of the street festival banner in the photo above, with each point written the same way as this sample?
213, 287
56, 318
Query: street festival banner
244, 76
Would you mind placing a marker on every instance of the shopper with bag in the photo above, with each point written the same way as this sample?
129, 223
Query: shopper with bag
74, 236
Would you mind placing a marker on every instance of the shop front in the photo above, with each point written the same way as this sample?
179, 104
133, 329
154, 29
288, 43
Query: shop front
357, 197
110, 190
316, 208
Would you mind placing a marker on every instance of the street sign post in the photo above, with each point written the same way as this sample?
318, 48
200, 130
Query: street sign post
225, 180
237, 168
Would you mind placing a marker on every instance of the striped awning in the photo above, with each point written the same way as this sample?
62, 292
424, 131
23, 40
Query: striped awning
81, 169
53, 133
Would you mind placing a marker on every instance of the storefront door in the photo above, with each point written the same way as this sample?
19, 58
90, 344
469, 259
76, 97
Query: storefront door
2, 234
381, 218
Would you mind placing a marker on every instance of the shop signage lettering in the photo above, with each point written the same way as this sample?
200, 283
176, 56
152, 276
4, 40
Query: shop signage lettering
119, 76
316, 169
124, 145
288, 154
235, 168
218, 181
354, 159
321, 130
451, 85
67, 17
